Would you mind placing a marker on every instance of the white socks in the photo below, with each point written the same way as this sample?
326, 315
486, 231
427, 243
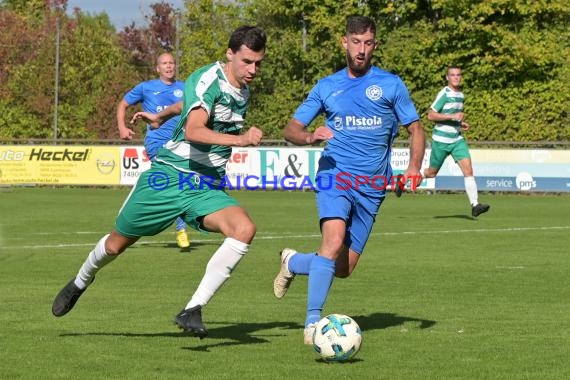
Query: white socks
218, 270
96, 260
471, 190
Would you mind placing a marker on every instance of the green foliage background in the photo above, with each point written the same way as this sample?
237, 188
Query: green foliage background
515, 55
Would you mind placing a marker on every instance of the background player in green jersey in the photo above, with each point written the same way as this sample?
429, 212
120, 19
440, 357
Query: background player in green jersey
215, 103
447, 113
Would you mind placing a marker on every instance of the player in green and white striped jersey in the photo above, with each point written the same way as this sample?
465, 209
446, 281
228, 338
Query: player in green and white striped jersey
447, 113
215, 103
225, 105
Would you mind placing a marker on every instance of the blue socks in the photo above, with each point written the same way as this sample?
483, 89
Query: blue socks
321, 275
300, 263
180, 225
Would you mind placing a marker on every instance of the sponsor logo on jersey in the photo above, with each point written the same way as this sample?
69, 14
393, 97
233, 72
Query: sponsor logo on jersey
363, 121
338, 124
352, 122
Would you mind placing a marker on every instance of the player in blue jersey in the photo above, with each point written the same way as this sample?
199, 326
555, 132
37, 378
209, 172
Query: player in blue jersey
363, 106
156, 95
216, 99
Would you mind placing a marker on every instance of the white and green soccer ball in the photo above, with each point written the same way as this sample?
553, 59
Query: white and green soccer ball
337, 338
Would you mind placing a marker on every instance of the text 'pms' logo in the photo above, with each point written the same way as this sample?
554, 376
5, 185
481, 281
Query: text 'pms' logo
525, 182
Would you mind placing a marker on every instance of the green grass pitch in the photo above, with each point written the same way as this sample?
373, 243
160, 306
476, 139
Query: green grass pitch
438, 294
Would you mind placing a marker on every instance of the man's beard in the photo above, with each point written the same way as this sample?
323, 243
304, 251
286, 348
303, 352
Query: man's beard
358, 69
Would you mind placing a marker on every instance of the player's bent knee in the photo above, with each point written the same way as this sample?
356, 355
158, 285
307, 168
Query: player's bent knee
117, 244
244, 232
343, 271
114, 251
336, 243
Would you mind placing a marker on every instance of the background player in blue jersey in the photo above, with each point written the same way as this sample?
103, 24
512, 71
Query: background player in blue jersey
156, 95
364, 107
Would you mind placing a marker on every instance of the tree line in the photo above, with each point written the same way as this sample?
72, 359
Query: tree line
515, 56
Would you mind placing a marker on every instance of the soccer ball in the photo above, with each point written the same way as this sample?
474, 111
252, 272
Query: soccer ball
337, 338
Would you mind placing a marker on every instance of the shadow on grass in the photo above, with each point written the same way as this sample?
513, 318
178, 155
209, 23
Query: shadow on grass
233, 334
378, 321
243, 333
193, 246
468, 217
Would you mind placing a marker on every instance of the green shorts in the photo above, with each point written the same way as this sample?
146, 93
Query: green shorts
439, 152
159, 197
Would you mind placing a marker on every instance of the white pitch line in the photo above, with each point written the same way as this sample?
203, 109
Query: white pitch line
302, 236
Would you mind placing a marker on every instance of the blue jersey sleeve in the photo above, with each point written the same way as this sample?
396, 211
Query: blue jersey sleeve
311, 107
135, 95
404, 107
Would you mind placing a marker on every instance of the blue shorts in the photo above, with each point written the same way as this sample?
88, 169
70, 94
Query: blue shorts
358, 209
155, 139
152, 147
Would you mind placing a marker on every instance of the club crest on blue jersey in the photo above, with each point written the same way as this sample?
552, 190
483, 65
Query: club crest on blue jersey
374, 92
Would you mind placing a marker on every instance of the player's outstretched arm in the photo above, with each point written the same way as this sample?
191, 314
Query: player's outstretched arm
151, 119
156, 120
296, 133
170, 111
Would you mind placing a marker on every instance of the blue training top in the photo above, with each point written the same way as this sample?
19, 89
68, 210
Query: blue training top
364, 114
155, 96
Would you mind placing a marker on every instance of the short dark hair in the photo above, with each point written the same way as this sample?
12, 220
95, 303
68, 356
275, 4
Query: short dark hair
360, 24
450, 67
251, 36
